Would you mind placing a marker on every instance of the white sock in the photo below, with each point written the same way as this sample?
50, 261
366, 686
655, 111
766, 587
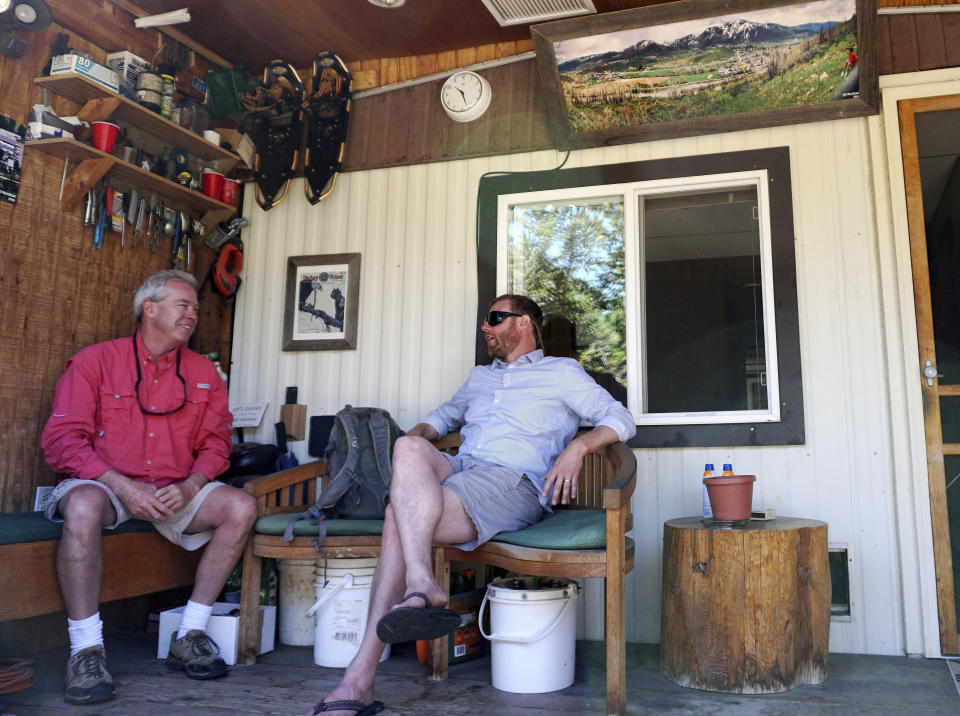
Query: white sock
195, 616
85, 632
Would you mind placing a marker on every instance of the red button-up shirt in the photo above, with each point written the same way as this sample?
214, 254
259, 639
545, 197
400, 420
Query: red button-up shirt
97, 425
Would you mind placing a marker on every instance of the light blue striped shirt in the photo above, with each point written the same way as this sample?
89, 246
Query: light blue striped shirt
523, 414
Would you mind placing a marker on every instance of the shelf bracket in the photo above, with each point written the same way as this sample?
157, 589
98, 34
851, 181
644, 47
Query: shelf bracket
82, 179
96, 110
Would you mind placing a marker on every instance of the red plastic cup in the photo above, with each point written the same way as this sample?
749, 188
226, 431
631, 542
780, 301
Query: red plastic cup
212, 184
231, 191
105, 136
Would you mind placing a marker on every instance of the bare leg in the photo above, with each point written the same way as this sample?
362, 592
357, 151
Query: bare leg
421, 511
230, 513
86, 510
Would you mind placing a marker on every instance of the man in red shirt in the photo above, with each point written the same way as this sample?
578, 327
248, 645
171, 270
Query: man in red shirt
140, 427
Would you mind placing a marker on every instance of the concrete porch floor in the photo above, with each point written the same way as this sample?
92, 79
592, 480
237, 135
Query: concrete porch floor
286, 681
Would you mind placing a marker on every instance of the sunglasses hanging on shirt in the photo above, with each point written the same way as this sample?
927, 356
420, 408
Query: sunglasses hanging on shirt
136, 388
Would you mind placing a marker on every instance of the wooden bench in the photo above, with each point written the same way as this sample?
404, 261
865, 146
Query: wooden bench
600, 516
137, 560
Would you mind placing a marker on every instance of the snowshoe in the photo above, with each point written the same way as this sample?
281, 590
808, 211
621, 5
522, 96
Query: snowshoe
272, 120
325, 113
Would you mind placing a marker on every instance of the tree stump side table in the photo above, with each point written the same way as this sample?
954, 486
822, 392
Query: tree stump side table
745, 610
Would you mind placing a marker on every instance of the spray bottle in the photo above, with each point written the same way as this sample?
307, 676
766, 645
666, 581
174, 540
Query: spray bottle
707, 511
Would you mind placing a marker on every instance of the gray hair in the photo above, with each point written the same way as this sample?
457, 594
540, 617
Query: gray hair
155, 287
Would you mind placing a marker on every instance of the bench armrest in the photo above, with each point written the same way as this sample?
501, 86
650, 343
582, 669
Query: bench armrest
620, 489
260, 486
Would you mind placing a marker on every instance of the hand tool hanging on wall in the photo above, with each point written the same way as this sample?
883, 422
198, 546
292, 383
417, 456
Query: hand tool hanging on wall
138, 225
326, 111
157, 227
273, 122
101, 226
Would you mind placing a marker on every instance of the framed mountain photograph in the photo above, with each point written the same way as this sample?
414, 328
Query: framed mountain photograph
702, 66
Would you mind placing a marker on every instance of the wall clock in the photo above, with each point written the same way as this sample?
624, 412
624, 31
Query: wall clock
465, 96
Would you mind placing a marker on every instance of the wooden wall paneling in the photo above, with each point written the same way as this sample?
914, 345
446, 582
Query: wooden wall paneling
540, 136
903, 43
884, 50
358, 130
420, 128
400, 107
930, 45
951, 34
519, 128
504, 107
455, 138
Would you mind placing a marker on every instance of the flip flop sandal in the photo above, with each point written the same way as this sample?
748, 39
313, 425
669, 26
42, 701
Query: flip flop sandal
412, 623
326, 111
361, 708
273, 122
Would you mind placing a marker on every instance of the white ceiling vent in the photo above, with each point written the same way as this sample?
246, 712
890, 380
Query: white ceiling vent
518, 12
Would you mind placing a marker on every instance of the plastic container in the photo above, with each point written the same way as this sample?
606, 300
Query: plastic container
105, 136
707, 511
212, 183
731, 498
169, 78
340, 610
727, 470
296, 596
534, 630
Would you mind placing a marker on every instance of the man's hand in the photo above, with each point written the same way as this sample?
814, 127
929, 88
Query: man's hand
179, 493
562, 478
423, 430
140, 499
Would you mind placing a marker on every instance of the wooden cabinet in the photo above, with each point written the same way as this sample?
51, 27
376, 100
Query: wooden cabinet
90, 165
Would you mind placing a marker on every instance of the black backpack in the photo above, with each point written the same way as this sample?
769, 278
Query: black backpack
359, 456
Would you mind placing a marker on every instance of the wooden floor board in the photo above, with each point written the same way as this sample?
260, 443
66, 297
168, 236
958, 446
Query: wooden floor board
286, 681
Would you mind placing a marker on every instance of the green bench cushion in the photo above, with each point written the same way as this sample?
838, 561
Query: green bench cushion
276, 524
16, 527
564, 529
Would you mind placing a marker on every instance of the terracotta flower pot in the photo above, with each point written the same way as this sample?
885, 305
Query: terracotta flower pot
731, 498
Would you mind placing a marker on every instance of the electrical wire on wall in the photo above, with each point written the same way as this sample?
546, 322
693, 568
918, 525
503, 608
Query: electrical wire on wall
476, 231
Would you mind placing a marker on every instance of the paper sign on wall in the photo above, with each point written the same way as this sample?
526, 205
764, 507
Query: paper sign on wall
248, 416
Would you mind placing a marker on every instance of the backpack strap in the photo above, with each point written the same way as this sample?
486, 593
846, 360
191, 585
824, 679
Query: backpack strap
313, 512
380, 431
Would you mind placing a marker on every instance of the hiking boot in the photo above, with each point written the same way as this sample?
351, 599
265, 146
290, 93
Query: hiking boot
88, 681
197, 654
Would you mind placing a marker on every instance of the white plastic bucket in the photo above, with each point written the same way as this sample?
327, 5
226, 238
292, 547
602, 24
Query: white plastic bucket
340, 609
296, 596
534, 633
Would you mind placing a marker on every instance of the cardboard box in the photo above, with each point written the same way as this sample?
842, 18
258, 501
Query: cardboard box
128, 66
39, 130
223, 628
241, 143
466, 641
68, 64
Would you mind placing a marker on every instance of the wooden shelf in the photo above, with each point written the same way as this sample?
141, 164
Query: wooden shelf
91, 165
99, 103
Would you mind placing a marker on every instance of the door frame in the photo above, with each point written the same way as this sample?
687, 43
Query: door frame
912, 493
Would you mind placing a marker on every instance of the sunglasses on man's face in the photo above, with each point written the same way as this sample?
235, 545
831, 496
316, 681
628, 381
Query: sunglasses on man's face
495, 318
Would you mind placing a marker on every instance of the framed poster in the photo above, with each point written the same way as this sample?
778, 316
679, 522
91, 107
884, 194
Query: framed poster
701, 66
320, 308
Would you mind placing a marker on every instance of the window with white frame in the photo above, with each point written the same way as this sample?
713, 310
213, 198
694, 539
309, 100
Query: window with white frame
664, 289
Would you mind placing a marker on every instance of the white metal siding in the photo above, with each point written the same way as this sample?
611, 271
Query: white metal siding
415, 229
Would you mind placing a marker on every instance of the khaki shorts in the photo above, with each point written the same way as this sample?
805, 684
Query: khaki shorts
497, 499
172, 529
